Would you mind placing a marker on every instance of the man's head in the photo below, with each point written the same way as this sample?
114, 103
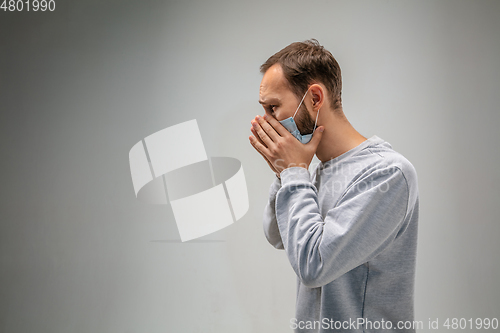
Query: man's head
302, 70
291, 72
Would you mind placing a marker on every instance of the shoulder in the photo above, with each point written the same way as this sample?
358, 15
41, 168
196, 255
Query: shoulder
394, 162
391, 158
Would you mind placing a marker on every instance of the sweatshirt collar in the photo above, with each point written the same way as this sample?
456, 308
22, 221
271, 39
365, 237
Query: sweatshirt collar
374, 140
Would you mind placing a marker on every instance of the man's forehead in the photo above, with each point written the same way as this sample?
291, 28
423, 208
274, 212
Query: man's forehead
272, 86
270, 100
270, 94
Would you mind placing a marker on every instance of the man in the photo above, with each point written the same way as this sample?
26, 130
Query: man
348, 228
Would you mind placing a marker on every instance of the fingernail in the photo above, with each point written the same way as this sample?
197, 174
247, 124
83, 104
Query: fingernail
265, 116
257, 117
321, 129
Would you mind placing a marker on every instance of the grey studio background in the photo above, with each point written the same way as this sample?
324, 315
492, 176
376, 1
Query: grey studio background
81, 85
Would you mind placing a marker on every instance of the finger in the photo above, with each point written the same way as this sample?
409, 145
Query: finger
252, 142
261, 133
271, 165
270, 131
259, 146
280, 129
316, 138
257, 136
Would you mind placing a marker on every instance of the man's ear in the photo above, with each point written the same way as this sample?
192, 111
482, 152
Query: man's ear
318, 96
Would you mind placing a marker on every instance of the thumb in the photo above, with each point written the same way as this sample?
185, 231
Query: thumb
317, 135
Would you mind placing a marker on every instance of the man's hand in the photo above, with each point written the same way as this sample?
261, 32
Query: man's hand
279, 148
252, 129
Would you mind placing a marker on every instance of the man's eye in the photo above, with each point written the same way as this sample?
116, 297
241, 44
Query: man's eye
270, 109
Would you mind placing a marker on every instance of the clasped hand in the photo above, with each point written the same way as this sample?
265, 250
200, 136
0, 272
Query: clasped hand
280, 148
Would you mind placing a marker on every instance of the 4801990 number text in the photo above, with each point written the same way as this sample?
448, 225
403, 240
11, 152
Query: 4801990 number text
28, 5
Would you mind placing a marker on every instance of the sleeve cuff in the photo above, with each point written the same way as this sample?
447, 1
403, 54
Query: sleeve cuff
275, 187
295, 175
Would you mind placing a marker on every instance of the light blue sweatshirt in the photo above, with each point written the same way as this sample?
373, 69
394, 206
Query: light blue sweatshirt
349, 230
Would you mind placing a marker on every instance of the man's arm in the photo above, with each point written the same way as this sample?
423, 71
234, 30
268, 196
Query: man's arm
365, 220
270, 225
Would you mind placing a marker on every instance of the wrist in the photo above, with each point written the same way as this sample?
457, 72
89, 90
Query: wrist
294, 175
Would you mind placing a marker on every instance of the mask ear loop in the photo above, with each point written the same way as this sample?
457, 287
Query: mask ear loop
300, 103
317, 115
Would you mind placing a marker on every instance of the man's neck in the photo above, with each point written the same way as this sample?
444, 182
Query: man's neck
339, 137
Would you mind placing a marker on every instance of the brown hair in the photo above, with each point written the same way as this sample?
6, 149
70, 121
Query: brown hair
305, 63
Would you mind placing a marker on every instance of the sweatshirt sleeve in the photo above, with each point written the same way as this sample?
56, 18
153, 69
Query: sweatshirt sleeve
364, 221
270, 226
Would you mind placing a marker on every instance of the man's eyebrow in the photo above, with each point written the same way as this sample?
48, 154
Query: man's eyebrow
270, 101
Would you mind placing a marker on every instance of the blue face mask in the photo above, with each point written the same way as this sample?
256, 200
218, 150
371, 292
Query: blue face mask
291, 126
